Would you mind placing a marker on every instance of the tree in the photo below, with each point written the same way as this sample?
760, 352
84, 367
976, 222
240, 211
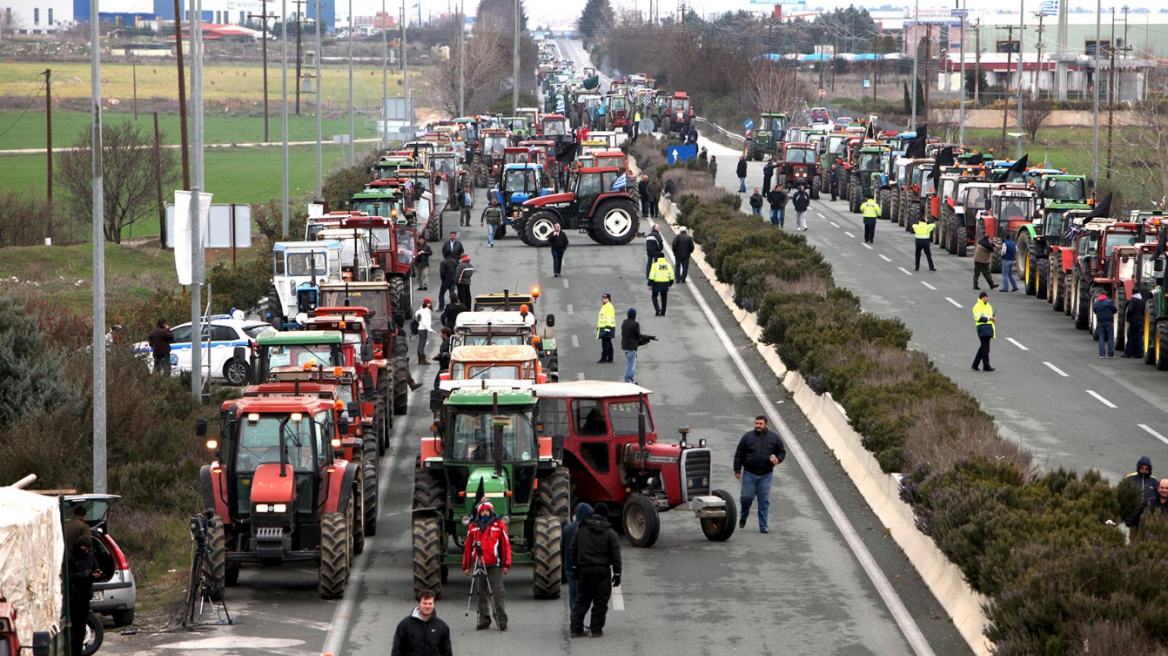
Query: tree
1034, 115
596, 19
128, 172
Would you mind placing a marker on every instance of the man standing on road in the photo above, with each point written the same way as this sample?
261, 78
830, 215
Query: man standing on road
778, 202
801, 200
422, 264
487, 557
1134, 316
869, 209
768, 171
654, 247
683, 248
422, 632
654, 198
987, 329
425, 318
462, 279
493, 218
631, 340
660, 280
597, 555
1009, 256
160, 340
982, 255
1105, 312
447, 276
756, 202
559, 243
583, 512
922, 231
741, 172
605, 328
465, 203
755, 458
643, 192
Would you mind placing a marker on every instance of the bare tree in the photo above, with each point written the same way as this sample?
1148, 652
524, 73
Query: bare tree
1146, 144
129, 178
488, 64
1034, 115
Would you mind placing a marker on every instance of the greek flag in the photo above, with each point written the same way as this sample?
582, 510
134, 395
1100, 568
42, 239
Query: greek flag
1048, 7
621, 182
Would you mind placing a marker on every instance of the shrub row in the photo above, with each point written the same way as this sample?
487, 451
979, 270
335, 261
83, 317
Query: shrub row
1059, 578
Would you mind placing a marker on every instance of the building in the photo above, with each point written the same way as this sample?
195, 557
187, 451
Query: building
36, 16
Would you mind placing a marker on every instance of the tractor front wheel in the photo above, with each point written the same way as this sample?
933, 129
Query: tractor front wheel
427, 554
334, 555
369, 481
719, 529
547, 557
616, 222
641, 522
540, 228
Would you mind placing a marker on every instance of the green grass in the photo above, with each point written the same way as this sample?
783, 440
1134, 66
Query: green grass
28, 131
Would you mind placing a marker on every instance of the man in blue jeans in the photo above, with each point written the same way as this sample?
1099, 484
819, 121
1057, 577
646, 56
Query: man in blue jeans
1009, 257
755, 458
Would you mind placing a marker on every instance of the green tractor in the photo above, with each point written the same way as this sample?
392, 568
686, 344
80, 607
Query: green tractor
486, 446
772, 131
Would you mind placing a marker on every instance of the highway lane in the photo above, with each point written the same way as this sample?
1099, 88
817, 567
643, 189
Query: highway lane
1050, 392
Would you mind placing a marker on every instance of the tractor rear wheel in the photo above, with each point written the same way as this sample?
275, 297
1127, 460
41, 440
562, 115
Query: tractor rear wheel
719, 529
215, 563
546, 556
334, 555
401, 385
540, 228
275, 308
1149, 337
1162, 345
616, 222
641, 522
554, 494
399, 295
427, 554
1082, 306
369, 480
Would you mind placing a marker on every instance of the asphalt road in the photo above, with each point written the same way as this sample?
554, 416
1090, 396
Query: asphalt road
1051, 392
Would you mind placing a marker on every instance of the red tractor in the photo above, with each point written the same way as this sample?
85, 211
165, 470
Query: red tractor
613, 453
278, 492
601, 205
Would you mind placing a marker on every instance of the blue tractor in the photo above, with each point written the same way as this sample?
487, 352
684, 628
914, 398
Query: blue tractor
517, 184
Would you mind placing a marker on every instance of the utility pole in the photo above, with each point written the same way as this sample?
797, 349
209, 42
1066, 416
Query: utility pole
1095, 85
99, 462
1009, 62
158, 182
319, 125
1111, 93
284, 218
1021, 71
49, 148
961, 111
912, 119
298, 3
515, 66
182, 95
462, 58
352, 146
264, 36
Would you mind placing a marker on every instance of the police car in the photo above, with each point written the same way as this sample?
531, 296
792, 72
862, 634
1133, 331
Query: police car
219, 361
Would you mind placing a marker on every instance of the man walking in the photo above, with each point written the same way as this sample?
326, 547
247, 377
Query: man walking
465, 203
777, 198
487, 557
756, 202
643, 192
425, 318
463, 276
654, 247
597, 556
982, 255
1009, 257
583, 512
1105, 312
631, 340
660, 280
801, 200
422, 632
987, 329
605, 328
1134, 316
422, 264
768, 171
741, 172
869, 209
559, 243
922, 231
493, 218
448, 278
755, 458
654, 197
683, 248
160, 340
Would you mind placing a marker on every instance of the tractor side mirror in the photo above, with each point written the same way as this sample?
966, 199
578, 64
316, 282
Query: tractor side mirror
557, 447
550, 321
201, 428
41, 643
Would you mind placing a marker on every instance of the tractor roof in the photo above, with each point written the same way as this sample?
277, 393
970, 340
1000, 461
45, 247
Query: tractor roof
487, 397
300, 338
589, 389
494, 354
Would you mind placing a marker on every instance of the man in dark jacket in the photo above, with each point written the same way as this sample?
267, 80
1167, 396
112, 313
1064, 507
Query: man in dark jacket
422, 264
801, 200
654, 248
654, 197
422, 633
741, 172
559, 244
1105, 312
683, 248
596, 551
777, 199
768, 171
448, 278
1134, 316
462, 278
583, 512
83, 571
631, 340
453, 247
756, 202
160, 340
755, 458
834, 180
643, 190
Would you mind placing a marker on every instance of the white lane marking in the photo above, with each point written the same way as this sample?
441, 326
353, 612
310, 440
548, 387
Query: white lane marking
906, 271
850, 235
575, 342
1154, 433
565, 283
570, 309
1056, 370
955, 303
821, 216
1016, 343
833, 223
884, 257
928, 285
867, 246
618, 599
1101, 399
904, 620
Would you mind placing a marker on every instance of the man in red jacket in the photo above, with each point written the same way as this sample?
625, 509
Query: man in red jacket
488, 557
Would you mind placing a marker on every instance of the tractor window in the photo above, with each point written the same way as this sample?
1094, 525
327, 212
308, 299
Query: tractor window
623, 415
588, 415
260, 443
473, 437
299, 264
554, 413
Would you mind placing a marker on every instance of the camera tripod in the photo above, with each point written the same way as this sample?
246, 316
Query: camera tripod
205, 587
479, 580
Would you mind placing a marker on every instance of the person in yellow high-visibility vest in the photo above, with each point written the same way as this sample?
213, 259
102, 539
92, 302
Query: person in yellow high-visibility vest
870, 209
923, 231
606, 328
660, 280
987, 329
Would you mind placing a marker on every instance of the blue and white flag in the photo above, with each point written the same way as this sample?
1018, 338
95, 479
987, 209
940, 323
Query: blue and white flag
1048, 7
621, 182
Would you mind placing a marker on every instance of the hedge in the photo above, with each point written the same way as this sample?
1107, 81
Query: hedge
1042, 547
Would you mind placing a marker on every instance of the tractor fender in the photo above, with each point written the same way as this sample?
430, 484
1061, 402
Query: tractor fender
340, 484
211, 481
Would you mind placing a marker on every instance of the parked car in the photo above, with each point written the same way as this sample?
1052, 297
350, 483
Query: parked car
219, 361
115, 593
819, 115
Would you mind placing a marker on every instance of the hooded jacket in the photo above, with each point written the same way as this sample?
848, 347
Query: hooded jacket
596, 545
418, 637
583, 512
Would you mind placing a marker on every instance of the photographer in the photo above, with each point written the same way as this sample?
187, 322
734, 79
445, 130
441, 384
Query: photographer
488, 557
631, 340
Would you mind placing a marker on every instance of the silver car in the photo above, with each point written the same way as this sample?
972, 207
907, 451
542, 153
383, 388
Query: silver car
115, 593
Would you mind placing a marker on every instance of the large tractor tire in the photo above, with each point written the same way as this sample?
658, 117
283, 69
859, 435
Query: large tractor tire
369, 481
961, 235
547, 557
554, 495
401, 385
427, 554
334, 555
275, 309
215, 563
1162, 345
719, 529
885, 199
1149, 336
399, 295
1082, 310
540, 228
641, 523
616, 222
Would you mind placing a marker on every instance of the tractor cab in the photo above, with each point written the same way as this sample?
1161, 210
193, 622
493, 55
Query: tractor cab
614, 455
298, 269
600, 205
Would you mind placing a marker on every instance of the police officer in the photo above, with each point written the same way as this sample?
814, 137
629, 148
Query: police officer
923, 231
660, 280
987, 329
606, 328
870, 210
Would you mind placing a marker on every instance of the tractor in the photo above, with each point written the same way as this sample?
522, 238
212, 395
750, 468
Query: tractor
298, 270
772, 131
799, 166
486, 445
519, 183
278, 492
868, 165
611, 448
1012, 205
598, 206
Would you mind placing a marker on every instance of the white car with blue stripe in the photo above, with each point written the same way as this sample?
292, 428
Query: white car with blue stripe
219, 362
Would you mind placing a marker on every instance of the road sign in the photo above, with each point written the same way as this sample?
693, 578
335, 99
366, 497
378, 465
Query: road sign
822, 93
748, 124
